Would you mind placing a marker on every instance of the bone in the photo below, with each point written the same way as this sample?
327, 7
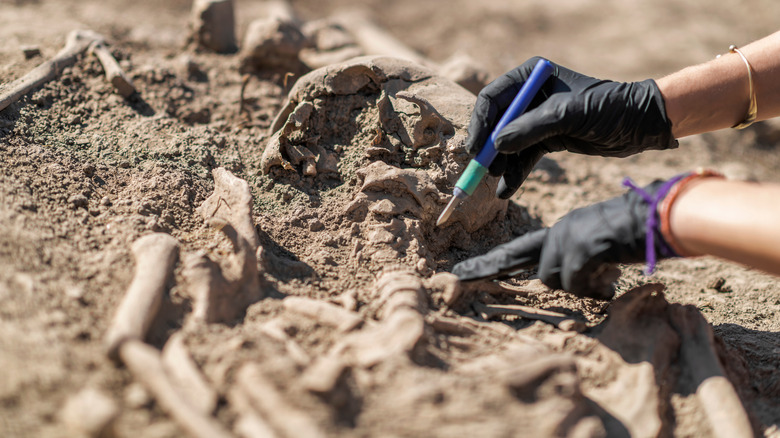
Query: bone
186, 376
250, 425
76, 44
464, 70
114, 73
328, 314
90, 413
265, 398
374, 40
231, 201
323, 375
274, 42
222, 291
714, 391
637, 342
155, 255
560, 320
448, 284
213, 25
274, 329
450, 326
281, 10
398, 335
396, 290
146, 365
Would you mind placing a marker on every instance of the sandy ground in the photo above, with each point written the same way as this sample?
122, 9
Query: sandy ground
86, 173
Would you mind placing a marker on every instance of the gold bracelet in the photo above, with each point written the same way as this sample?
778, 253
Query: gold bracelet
752, 112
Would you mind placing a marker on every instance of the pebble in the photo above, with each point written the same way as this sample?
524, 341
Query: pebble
316, 225
137, 397
78, 201
91, 413
31, 51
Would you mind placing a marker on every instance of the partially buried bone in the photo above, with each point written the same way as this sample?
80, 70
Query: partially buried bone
399, 298
90, 413
259, 393
331, 44
634, 349
155, 255
274, 42
76, 44
146, 365
186, 375
223, 290
560, 320
326, 313
114, 73
231, 201
275, 329
374, 40
213, 25
714, 391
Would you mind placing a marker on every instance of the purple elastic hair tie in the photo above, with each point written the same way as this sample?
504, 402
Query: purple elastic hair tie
651, 225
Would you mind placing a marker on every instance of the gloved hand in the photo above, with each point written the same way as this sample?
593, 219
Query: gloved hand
575, 253
572, 112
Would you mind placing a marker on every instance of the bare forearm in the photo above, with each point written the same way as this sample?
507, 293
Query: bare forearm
715, 95
734, 220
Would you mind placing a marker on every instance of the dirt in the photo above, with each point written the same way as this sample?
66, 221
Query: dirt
86, 173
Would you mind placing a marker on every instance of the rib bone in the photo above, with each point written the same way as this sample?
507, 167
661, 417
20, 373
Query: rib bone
145, 363
559, 320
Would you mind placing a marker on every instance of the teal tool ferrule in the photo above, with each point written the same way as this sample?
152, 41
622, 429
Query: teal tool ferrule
471, 177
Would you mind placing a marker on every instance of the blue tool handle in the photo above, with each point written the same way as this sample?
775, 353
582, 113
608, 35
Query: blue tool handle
542, 70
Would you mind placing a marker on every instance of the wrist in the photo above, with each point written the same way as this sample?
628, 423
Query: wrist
665, 210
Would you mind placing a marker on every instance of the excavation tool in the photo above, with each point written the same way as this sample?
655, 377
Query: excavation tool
478, 166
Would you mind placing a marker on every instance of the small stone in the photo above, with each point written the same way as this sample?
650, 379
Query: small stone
31, 51
718, 284
105, 201
78, 201
213, 25
316, 225
89, 170
91, 413
137, 397
75, 292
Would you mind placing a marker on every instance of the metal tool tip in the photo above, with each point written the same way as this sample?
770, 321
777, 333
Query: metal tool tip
445, 215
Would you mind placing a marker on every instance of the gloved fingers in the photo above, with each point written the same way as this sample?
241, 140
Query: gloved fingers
518, 167
521, 253
550, 262
484, 116
594, 279
499, 165
492, 102
552, 118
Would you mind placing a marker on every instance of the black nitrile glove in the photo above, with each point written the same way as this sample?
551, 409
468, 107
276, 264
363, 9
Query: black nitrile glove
572, 112
576, 253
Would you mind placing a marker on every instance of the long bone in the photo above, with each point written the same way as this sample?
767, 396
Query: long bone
146, 365
155, 255
714, 391
76, 44
559, 320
